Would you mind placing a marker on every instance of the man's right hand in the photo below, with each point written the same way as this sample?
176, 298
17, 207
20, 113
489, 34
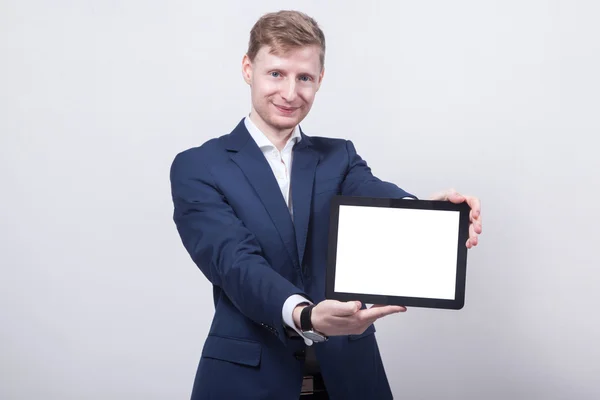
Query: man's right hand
334, 318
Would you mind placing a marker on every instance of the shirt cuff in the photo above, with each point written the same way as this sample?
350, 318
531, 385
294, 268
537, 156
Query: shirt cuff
288, 311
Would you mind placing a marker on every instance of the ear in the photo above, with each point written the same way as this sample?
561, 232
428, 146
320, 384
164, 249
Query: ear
247, 69
320, 80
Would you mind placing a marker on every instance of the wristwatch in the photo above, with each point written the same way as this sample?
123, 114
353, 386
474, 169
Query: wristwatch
307, 327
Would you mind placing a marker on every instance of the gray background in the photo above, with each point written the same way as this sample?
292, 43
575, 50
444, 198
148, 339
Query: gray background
98, 299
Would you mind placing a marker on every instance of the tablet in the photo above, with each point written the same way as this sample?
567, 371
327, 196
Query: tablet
397, 252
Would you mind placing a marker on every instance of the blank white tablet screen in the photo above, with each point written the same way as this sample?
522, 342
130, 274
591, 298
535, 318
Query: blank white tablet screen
397, 252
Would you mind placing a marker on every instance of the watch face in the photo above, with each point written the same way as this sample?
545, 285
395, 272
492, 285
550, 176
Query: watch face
314, 336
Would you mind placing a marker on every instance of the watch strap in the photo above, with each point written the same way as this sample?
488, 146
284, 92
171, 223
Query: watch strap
305, 318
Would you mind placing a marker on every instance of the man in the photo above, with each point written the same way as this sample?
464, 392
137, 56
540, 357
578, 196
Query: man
252, 207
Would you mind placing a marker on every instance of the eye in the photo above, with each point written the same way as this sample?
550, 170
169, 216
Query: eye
305, 78
275, 74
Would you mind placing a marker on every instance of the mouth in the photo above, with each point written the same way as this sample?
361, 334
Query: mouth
285, 110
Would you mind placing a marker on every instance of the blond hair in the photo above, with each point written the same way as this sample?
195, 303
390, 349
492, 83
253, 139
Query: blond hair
283, 31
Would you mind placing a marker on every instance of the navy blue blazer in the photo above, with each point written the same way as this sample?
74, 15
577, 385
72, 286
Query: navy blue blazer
235, 224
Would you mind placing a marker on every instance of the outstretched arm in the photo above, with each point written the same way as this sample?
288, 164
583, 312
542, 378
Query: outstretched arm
226, 252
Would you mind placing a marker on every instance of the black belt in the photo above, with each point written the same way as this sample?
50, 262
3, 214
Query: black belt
312, 384
311, 364
313, 380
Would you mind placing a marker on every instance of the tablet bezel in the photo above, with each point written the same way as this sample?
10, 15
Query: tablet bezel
461, 262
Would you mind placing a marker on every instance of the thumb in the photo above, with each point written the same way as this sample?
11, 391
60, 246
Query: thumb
348, 308
448, 195
455, 197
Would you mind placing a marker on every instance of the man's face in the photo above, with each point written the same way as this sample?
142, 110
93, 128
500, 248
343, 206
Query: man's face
283, 86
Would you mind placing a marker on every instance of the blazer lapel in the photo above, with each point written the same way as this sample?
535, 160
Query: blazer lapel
304, 166
253, 164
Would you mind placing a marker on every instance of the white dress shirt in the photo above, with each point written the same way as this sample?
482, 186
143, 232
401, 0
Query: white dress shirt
281, 164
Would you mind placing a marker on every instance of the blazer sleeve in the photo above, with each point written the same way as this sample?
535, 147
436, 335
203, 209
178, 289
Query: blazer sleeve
359, 181
226, 252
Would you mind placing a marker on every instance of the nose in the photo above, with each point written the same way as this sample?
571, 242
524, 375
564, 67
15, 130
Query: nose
288, 91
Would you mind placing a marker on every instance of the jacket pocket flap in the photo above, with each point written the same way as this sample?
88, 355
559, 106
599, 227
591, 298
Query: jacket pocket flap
240, 351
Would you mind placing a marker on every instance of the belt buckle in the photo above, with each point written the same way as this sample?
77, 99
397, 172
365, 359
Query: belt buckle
308, 385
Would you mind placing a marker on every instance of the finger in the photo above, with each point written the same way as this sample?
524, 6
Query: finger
476, 222
472, 231
383, 305
469, 244
475, 205
373, 314
477, 228
344, 309
473, 238
479, 223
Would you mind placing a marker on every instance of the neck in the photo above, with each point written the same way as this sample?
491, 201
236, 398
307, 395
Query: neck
276, 136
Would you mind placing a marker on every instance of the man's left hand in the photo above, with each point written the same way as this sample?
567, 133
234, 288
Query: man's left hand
475, 226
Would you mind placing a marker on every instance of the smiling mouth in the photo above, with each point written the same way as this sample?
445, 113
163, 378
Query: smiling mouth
285, 110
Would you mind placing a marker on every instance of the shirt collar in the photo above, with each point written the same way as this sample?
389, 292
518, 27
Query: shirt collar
262, 140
